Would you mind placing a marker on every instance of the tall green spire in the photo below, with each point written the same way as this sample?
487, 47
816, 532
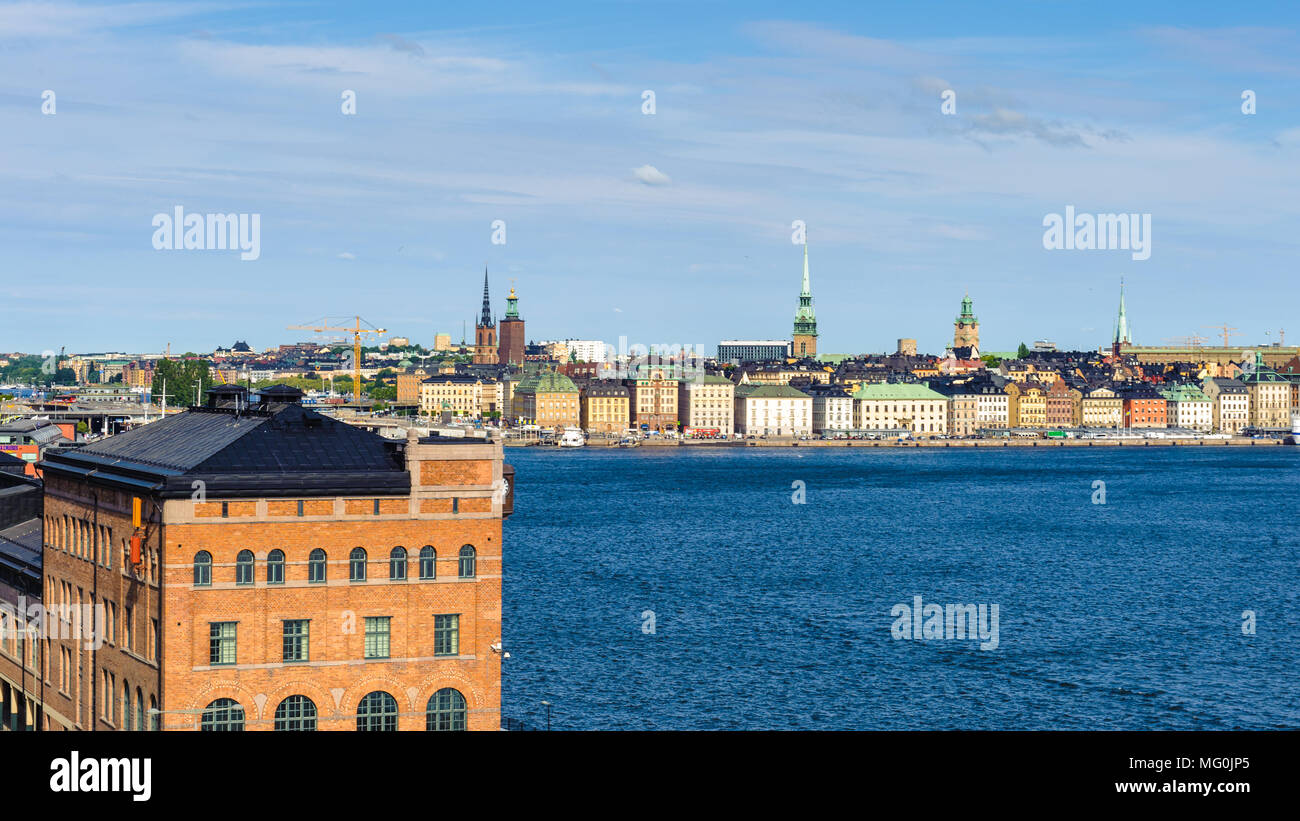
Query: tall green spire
512, 305
805, 318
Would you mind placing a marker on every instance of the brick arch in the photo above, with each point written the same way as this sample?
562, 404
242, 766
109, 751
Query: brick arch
450, 678
353, 695
210, 692
323, 699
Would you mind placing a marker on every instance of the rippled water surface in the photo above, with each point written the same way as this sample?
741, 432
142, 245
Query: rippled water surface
768, 614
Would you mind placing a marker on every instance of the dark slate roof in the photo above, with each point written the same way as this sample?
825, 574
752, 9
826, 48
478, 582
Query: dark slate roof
287, 450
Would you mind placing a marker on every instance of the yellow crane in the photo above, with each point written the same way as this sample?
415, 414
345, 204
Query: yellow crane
1224, 329
356, 332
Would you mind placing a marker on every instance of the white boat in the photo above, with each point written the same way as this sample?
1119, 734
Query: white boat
1294, 438
572, 438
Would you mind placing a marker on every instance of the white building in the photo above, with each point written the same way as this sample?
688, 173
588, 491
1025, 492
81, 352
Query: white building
707, 403
772, 410
832, 408
891, 405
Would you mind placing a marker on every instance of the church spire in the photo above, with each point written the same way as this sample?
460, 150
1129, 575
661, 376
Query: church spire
807, 288
486, 319
1121, 325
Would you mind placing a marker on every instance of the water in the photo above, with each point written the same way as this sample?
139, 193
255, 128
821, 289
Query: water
772, 615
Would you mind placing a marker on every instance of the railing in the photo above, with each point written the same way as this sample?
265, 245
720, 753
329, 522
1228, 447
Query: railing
515, 724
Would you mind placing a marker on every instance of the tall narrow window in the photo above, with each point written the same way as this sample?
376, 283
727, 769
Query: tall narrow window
275, 567
377, 637
446, 635
467, 568
244, 567
221, 642
357, 565
296, 639
428, 562
397, 564
316, 567
203, 569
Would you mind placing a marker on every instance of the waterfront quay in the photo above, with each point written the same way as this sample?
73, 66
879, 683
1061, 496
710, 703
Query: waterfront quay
786, 441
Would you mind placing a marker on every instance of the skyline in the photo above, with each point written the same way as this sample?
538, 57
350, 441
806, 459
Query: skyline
670, 226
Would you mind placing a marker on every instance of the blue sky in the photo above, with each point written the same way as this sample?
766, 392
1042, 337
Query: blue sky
531, 113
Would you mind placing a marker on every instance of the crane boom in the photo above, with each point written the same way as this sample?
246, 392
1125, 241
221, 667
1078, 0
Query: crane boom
356, 332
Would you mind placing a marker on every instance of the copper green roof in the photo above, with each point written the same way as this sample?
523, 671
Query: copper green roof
896, 390
753, 391
1184, 393
549, 382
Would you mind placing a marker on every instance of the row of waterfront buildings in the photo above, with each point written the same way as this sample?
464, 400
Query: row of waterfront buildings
804, 398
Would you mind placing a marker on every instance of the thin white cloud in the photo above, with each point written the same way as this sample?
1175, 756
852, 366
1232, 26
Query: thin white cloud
650, 175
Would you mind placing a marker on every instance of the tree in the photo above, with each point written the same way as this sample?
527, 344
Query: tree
180, 377
1022, 351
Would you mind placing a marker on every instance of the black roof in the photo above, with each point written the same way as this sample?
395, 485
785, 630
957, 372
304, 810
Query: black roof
286, 450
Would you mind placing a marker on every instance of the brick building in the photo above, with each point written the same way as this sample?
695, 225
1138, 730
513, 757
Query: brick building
293, 572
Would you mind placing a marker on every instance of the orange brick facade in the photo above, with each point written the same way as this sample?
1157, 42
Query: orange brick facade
453, 503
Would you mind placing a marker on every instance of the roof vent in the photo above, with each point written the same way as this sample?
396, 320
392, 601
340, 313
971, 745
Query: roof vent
279, 395
222, 395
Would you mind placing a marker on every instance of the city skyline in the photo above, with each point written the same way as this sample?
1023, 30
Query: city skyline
671, 225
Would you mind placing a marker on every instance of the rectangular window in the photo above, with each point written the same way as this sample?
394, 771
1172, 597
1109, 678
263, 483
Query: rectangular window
296, 642
446, 635
128, 633
225, 510
221, 642
377, 635
300, 507
153, 639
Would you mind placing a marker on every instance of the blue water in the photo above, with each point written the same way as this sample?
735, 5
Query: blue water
768, 615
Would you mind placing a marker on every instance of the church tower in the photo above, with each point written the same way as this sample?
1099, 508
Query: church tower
1121, 325
511, 351
966, 329
485, 331
805, 318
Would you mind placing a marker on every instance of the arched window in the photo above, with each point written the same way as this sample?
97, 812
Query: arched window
377, 712
139, 709
428, 562
223, 715
446, 711
127, 712
397, 564
357, 565
296, 713
203, 569
275, 567
153, 713
467, 562
244, 567
316, 567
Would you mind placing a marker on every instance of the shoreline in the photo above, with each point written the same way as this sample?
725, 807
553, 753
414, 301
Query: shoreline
929, 443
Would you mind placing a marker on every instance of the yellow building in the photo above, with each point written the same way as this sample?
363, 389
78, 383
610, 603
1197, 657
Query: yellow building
604, 406
549, 399
1026, 405
1102, 408
462, 395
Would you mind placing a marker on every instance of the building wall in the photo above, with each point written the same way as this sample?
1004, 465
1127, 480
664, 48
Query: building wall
511, 350
337, 676
86, 567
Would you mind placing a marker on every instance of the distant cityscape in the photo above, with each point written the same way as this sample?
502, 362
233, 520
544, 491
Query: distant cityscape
747, 388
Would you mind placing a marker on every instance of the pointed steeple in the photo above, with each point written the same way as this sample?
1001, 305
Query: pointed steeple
1121, 325
485, 320
807, 287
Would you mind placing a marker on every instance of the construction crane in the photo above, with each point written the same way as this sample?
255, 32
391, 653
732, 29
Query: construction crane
1224, 329
356, 332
